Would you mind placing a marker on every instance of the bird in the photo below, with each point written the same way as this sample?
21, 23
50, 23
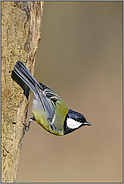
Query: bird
49, 110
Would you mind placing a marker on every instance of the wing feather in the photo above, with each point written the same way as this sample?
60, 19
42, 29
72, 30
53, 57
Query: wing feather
54, 107
48, 99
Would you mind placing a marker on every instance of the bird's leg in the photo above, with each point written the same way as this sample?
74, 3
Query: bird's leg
27, 128
28, 125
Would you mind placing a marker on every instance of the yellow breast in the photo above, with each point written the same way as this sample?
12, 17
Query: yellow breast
41, 119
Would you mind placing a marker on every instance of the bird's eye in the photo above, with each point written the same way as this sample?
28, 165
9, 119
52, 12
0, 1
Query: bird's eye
79, 120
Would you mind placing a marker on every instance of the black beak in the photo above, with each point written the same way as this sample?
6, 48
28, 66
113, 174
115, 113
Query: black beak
87, 123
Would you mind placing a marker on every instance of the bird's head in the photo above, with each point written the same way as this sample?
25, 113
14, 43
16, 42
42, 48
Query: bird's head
73, 121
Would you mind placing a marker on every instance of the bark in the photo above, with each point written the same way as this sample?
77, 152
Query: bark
20, 34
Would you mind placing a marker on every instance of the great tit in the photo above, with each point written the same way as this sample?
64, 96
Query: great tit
49, 110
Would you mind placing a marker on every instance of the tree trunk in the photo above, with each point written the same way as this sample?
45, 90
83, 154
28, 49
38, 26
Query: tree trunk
20, 33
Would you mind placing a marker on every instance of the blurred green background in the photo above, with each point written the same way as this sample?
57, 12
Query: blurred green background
80, 58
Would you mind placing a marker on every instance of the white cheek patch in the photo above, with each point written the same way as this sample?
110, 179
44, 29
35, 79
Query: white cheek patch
71, 123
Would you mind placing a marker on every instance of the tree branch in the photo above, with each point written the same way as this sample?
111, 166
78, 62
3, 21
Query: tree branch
20, 33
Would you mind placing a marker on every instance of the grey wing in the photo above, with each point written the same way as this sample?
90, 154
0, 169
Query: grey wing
46, 100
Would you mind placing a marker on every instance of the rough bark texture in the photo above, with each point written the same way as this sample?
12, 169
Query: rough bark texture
20, 33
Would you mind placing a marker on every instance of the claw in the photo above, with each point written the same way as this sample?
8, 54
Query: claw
26, 127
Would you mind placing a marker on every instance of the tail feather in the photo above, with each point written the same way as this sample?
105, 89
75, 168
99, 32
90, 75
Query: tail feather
42, 93
22, 72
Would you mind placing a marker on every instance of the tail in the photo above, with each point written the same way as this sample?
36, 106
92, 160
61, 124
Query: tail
22, 72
